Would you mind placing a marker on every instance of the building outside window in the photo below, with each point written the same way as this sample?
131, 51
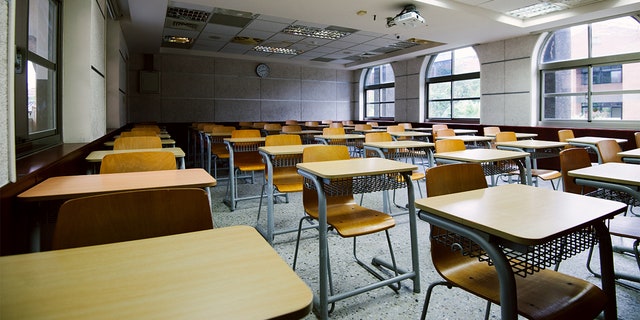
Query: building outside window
36, 87
590, 72
379, 93
453, 85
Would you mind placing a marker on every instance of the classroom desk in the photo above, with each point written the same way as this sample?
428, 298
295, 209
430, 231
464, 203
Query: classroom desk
481, 215
212, 138
590, 142
360, 172
470, 139
487, 157
226, 273
160, 135
165, 143
237, 145
382, 149
305, 135
69, 187
623, 177
351, 140
414, 135
95, 157
519, 135
630, 156
294, 156
538, 149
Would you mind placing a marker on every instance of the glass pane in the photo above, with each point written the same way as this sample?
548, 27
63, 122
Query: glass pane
372, 110
616, 107
380, 74
441, 65
567, 44
465, 61
466, 108
565, 107
388, 95
616, 77
441, 90
373, 96
387, 110
440, 109
565, 81
616, 36
42, 28
40, 98
466, 89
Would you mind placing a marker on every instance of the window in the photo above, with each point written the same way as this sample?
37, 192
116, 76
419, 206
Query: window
379, 93
36, 84
589, 72
453, 85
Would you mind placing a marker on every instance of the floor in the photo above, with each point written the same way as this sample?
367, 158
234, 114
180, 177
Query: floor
383, 303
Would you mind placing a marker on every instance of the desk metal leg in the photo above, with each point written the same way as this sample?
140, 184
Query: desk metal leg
606, 267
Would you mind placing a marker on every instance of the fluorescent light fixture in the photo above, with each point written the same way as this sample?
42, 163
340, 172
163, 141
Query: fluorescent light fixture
177, 39
277, 50
315, 32
537, 10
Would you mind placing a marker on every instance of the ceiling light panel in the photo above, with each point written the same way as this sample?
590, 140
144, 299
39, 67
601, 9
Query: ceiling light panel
278, 50
314, 32
188, 14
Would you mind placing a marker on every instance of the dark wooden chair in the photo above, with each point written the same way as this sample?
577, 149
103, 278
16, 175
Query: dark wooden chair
131, 215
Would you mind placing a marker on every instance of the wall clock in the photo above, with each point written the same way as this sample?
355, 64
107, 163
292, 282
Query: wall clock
262, 70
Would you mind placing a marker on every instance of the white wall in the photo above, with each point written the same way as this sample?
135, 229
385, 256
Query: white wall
5, 158
84, 86
117, 58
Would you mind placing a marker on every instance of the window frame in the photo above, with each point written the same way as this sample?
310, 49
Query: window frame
378, 87
451, 79
27, 143
588, 63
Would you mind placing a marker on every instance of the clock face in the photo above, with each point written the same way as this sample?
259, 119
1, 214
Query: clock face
262, 70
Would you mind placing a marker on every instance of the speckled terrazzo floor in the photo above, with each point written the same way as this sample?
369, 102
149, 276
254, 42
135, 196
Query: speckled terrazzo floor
383, 303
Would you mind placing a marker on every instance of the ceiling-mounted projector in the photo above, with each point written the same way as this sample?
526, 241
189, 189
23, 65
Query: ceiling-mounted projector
408, 17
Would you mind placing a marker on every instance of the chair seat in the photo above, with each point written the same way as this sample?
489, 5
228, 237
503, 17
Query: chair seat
287, 179
220, 151
248, 161
544, 295
628, 227
350, 219
544, 174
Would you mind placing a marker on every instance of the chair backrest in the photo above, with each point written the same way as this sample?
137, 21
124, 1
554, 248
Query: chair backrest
155, 129
406, 125
258, 125
608, 150
143, 142
209, 127
138, 161
291, 128
443, 133
506, 136
327, 121
372, 123
311, 123
565, 134
377, 137
245, 124
436, 127
223, 129
336, 125
325, 153
361, 127
395, 129
571, 159
291, 122
451, 178
449, 145
490, 130
637, 135
138, 133
282, 140
132, 215
332, 131
272, 127
245, 133
348, 122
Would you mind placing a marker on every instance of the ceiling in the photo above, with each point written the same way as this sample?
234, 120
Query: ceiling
232, 28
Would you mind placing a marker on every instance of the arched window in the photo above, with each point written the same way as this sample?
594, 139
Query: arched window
379, 93
590, 72
453, 85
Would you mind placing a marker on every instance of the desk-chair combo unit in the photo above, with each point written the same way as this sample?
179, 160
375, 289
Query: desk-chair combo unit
622, 225
545, 294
